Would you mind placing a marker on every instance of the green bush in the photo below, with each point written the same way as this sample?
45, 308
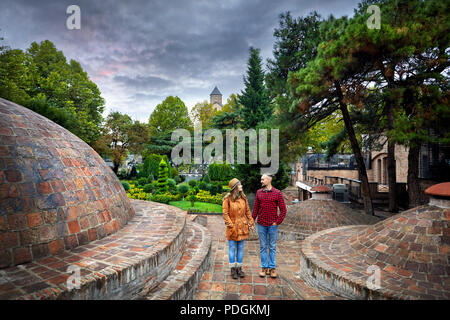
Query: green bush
208, 187
172, 184
192, 198
163, 175
206, 179
164, 197
205, 196
142, 181
150, 178
126, 185
183, 188
195, 189
202, 185
192, 183
149, 187
220, 171
177, 179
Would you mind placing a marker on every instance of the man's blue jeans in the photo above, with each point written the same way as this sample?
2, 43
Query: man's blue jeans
235, 251
268, 237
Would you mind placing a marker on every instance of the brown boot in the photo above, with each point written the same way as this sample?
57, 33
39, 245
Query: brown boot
263, 272
273, 273
234, 274
239, 272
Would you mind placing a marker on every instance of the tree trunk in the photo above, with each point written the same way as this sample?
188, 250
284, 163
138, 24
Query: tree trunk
391, 166
116, 167
365, 189
415, 196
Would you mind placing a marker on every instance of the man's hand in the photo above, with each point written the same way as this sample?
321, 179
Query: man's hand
274, 224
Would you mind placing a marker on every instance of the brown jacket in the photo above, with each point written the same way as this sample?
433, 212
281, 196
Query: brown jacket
234, 213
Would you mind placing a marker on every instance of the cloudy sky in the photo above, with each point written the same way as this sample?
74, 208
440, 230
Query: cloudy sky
138, 52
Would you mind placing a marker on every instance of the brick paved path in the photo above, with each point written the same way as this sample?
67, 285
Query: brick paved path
217, 283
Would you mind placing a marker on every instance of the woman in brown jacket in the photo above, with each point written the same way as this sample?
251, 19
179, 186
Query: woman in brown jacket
238, 221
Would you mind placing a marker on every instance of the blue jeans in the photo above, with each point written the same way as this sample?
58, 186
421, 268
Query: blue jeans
268, 236
235, 251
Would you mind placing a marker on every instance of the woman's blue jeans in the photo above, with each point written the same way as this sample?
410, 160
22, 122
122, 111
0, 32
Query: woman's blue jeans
235, 251
268, 237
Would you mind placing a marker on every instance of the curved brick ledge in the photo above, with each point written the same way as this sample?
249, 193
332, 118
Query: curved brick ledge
181, 284
410, 249
144, 252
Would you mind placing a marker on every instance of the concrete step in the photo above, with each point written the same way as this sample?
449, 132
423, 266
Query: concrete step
182, 282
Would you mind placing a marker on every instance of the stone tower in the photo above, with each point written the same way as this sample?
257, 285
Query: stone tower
216, 99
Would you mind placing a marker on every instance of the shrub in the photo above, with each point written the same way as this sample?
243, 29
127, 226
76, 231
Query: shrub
162, 176
142, 181
205, 196
192, 183
177, 179
192, 198
195, 189
206, 179
149, 187
172, 184
126, 185
208, 187
202, 185
150, 178
183, 188
220, 171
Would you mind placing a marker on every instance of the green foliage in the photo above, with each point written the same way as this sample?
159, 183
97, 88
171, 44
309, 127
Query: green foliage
192, 198
192, 183
169, 115
250, 177
205, 196
171, 184
151, 164
202, 185
206, 178
142, 181
255, 102
163, 197
149, 188
125, 185
220, 171
41, 79
183, 188
162, 184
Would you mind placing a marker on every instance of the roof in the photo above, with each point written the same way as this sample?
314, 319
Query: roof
441, 190
215, 91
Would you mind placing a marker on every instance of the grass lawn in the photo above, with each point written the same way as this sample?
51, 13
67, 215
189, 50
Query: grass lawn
203, 206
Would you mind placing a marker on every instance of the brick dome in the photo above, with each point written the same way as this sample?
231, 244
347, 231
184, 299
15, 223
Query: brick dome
411, 249
56, 192
308, 217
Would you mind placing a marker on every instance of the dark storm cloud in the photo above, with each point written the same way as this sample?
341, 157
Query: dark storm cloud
145, 50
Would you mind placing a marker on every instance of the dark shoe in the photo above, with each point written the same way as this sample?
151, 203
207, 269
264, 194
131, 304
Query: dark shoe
234, 273
239, 272
273, 273
263, 272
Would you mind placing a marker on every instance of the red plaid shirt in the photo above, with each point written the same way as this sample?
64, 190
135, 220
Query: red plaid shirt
265, 207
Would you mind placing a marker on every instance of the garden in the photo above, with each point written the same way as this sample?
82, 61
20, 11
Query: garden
156, 180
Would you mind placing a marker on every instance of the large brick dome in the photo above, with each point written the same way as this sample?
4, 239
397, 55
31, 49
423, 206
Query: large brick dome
56, 192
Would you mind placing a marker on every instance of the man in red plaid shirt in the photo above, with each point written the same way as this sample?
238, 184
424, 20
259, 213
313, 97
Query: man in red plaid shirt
267, 201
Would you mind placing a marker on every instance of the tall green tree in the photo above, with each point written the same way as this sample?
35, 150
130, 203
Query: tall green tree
41, 79
169, 115
254, 99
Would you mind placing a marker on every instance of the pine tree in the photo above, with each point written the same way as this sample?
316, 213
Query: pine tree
256, 106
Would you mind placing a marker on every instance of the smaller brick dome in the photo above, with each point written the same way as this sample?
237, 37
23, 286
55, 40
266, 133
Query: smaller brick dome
308, 217
440, 190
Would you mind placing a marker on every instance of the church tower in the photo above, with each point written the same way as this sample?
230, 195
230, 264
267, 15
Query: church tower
216, 99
